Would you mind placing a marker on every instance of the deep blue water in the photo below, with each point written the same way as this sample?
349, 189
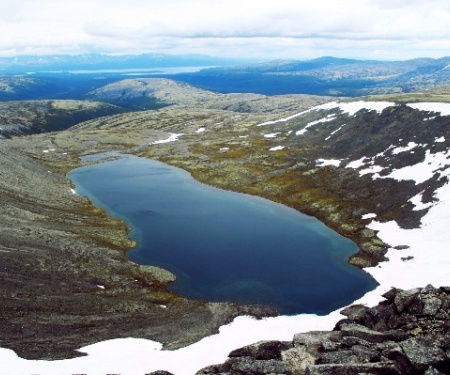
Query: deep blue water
225, 246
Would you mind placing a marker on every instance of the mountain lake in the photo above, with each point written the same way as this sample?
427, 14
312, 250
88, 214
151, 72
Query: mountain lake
222, 245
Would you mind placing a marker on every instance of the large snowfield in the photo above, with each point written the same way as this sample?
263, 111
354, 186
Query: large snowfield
425, 261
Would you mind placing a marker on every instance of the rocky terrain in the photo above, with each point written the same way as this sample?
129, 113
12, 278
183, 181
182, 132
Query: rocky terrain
408, 333
65, 279
161, 92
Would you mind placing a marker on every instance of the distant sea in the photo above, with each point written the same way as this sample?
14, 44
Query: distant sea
130, 71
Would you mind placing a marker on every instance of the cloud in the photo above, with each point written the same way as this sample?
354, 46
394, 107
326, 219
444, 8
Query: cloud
268, 29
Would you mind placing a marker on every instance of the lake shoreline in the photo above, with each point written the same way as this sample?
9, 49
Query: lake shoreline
66, 280
180, 223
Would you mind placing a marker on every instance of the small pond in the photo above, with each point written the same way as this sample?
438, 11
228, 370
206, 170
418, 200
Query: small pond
225, 246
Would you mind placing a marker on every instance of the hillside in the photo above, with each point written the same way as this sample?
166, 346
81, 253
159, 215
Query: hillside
319, 160
27, 117
66, 281
154, 93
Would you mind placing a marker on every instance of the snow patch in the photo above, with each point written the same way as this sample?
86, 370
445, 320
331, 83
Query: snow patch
172, 138
276, 148
442, 108
428, 245
420, 172
373, 169
418, 204
409, 147
285, 119
312, 123
325, 162
440, 140
334, 132
352, 107
271, 135
200, 130
357, 163
423, 171
368, 216
349, 107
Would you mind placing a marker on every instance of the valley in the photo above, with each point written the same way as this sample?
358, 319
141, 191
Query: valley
66, 282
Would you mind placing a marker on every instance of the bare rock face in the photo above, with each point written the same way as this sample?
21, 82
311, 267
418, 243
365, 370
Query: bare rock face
408, 333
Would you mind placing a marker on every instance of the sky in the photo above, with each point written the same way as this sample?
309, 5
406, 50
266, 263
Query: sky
298, 29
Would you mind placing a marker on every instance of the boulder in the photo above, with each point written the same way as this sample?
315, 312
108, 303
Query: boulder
407, 334
385, 368
262, 350
421, 356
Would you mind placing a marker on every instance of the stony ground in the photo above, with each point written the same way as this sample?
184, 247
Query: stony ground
65, 279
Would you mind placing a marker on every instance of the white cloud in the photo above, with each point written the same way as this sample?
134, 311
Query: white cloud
281, 29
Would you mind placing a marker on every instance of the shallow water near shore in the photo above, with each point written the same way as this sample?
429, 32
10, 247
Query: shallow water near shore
225, 246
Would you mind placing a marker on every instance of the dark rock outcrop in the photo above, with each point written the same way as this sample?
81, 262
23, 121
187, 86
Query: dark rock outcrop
408, 333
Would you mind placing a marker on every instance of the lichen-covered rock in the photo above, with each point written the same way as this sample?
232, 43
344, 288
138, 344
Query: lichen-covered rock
364, 333
403, 299
385, 368
318, 339
408, 333
422, 356
262, 350
299, 359
433, 371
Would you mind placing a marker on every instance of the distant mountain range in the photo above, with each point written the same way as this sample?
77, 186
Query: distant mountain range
325, 76
331, 76
30, 63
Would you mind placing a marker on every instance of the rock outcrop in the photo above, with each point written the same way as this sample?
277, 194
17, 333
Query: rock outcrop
408, 333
